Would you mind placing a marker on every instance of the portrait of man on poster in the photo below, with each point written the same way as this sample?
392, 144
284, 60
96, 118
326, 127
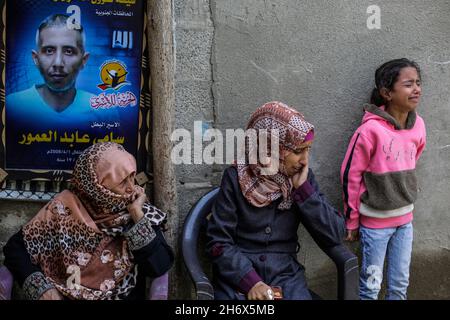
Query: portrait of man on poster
60, 55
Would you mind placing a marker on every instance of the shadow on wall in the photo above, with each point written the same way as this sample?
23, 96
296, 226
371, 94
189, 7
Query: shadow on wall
429, 277
13, 215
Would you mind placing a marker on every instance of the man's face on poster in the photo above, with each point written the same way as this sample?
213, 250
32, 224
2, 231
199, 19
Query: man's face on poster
60, 57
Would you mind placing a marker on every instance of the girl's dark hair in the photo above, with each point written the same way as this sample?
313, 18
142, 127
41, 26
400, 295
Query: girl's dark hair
386, 76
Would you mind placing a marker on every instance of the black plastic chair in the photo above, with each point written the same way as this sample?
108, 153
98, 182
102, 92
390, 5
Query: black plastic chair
346, 262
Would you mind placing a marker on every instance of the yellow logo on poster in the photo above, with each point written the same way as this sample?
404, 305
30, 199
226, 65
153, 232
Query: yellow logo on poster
114, 75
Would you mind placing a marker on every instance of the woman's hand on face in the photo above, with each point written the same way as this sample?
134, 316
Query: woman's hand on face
51, 294
260, 291
135, 207
352, 235
300, 177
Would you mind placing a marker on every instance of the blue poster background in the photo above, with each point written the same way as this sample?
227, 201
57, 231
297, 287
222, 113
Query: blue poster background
33, 141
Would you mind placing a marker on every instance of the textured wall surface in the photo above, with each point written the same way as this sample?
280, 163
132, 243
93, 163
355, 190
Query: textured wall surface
320, 57
13, 214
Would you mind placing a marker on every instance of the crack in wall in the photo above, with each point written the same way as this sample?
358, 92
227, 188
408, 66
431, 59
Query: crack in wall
212, 61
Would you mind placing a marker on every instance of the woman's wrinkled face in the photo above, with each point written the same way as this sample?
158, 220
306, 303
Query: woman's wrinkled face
116, 171
295, 160
126, 186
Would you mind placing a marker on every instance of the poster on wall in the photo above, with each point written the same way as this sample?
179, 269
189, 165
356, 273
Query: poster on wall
72, 78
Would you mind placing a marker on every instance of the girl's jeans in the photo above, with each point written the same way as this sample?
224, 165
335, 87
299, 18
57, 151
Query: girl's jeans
396, 243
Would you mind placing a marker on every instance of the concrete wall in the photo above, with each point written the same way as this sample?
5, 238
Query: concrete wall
13, 214
320, 57
194, 101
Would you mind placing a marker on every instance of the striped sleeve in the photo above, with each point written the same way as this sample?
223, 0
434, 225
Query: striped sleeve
356, 161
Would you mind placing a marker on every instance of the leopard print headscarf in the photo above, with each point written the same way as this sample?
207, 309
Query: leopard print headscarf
107, 209
82, 228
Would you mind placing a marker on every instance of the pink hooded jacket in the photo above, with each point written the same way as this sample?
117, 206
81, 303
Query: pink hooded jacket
378, 173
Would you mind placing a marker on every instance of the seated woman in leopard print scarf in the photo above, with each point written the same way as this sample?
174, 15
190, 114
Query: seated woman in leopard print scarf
98, 240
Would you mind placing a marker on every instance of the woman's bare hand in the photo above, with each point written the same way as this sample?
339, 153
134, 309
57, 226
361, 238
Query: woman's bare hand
260, 291
300, 177
135, 207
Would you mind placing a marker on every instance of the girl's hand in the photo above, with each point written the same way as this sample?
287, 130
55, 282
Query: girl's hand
260, 291
352, 235
300, 177
51, 294
135, 208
